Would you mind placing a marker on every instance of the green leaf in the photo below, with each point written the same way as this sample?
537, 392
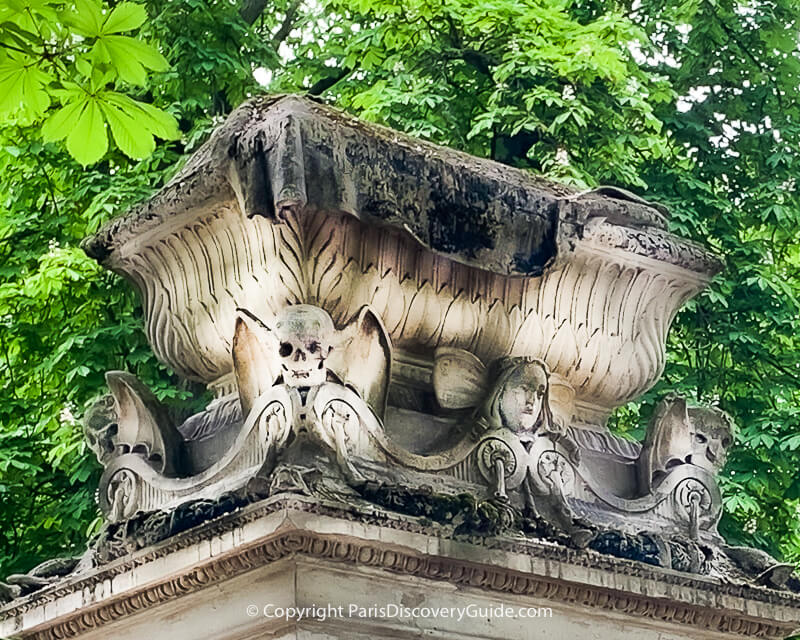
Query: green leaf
59, 125
87, 18
129, 57
88, 142
126, 16
160, 123
22, 86
130, 134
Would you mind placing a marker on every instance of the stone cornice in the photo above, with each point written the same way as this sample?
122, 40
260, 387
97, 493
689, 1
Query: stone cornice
278, 154
650, 248
287, 527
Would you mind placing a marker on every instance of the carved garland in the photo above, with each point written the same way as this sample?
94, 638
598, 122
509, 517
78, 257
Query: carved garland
284, 544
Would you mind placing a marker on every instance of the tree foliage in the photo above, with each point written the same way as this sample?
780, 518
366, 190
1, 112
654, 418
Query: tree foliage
67, 61
739, 344
690, 103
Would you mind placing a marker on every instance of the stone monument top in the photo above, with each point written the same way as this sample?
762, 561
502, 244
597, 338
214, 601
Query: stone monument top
390, 325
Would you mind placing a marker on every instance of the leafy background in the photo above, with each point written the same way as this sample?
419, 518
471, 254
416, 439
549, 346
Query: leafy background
692, 103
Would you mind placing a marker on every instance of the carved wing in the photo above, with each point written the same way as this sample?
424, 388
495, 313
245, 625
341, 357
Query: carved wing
362, 358
256, 362
668, 440
460, 379
144, 425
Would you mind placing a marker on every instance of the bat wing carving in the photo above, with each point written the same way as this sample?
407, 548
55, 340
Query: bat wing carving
460, 379
144, 426
256, 362
362, 358
668, 441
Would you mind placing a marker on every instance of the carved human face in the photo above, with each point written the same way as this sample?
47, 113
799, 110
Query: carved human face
305, 333
711, 437
522, 397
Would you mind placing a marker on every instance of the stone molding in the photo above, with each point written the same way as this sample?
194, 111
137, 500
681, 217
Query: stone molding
291, 539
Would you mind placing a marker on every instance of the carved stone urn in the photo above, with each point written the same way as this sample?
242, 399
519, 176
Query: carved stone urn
379, 317
413, 354
411, 312
292, 202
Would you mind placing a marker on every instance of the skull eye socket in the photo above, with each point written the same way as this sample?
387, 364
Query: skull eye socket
285, 350
313, 347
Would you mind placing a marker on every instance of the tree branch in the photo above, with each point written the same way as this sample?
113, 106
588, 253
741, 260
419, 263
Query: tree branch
286, 25
251, 9
323, 84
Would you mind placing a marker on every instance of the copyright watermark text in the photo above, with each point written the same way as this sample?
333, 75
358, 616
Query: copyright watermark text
322, 613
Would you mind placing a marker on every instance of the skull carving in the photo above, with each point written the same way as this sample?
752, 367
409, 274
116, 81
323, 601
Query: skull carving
305, 334
712, 434
100, 427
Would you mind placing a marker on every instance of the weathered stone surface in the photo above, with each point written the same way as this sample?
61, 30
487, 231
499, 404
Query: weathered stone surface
419, 348
281, 154
290, 551
294, 202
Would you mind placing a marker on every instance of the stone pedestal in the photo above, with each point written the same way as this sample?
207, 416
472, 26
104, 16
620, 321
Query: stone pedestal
373, 574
